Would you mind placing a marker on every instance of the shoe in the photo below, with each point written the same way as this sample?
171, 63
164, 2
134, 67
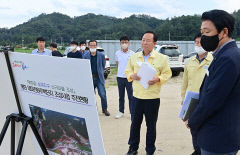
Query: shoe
196, 153
119, 115
132, 152
106, 112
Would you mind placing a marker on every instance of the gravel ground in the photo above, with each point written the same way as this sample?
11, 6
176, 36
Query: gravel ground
172, 135
173, 138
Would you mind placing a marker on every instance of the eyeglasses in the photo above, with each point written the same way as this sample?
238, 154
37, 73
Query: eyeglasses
92, 45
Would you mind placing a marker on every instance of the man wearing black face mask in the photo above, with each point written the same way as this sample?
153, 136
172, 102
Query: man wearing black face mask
216, 120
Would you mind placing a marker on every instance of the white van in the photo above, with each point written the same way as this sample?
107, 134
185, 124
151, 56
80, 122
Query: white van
174, 56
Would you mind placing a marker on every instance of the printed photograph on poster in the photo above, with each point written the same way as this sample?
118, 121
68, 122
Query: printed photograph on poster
61, 133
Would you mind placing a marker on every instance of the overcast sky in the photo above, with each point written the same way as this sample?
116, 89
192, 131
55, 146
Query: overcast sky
14, 12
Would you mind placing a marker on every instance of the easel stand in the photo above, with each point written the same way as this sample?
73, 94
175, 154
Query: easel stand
13, 118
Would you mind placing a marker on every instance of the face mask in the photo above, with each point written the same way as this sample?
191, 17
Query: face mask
71, 48
199, 50
83, 48
124, 46
78, 48
209, 43
93, 50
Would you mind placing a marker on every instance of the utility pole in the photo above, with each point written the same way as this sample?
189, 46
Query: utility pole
22, 41
169, 36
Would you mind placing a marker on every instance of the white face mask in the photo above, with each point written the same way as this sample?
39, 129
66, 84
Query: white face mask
199, 50
71, 48
93, 50
124, 46
83, 48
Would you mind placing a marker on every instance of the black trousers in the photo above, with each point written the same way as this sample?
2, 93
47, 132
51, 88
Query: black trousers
149, 108
122, 84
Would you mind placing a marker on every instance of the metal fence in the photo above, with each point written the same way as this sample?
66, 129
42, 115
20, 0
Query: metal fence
111, 46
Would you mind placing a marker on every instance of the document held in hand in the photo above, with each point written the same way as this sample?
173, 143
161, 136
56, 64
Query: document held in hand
189, 104
146, 73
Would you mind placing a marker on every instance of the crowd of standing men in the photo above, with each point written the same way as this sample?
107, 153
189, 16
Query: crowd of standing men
215, 123
96, 58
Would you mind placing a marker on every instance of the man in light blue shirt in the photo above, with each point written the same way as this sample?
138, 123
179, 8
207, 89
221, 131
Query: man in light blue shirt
41, 50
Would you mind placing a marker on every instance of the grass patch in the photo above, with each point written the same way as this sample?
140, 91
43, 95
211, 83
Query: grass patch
111, 80
23, 50
113, 70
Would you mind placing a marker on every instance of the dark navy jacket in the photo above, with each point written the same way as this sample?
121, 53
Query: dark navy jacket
101, 61
77, 54
216, 120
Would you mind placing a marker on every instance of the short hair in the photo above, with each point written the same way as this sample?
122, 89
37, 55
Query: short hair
124, 38
198, 35
221, 19
82, 42
92, 41
40, 39
54, 45
155, 37
74, 43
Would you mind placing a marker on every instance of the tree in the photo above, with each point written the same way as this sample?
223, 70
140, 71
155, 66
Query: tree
59, 28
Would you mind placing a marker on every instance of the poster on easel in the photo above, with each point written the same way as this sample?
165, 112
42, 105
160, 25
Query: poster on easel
58, 94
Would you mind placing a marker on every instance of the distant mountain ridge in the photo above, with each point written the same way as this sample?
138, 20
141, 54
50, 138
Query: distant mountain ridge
57, 27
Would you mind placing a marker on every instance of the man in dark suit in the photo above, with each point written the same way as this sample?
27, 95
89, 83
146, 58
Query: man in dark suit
216, 120
97, 60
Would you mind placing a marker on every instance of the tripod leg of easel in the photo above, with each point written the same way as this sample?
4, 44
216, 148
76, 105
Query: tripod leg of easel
12, 136
4, 130
22, 137
40, 142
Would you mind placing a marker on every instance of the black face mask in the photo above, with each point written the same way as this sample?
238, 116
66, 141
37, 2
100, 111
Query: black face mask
209, 43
